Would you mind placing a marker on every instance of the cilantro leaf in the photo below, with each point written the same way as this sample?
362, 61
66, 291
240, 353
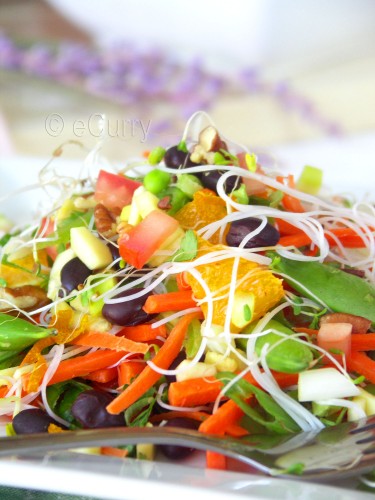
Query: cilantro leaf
188, 249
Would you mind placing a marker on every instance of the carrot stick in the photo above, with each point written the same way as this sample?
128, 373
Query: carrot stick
236, 431
363, 342
216, 460
163, 359
308, 331
204, 390
289, 202
103, 375
128, 370
194, 392
229, 413
360, 363
143, 333
82, 365
172, 301
108, 341
347, 236
182, 282
198, 416
285, 228
113, 452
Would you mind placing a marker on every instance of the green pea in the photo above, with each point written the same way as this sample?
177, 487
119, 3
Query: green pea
289, 356
340, 291
16, 334
156, 155
156, 180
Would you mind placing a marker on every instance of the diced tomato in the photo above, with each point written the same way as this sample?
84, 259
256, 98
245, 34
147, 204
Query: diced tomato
141, 242
253, 187
46, 228
114, 190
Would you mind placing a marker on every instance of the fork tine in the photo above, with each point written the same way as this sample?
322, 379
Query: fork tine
367, 439
363, 428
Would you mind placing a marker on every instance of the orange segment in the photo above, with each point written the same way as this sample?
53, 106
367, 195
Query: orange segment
23, 271
255, 285
205, 208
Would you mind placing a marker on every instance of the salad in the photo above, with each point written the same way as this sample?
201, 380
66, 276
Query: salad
194, 288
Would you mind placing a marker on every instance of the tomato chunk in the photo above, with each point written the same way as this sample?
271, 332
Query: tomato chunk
114, 190
142, 241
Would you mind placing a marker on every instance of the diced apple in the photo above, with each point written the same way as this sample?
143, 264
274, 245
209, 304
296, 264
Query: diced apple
325, 383
243, 306
196, 370
92, 251
54, 283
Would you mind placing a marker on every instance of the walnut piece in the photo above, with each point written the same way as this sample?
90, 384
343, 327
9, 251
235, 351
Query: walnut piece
104, 221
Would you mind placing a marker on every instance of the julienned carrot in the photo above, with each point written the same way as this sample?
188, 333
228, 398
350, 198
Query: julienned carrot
194, 392
215, 460
163, 359
198, 416
103, 375
172, 301
182, 282
347, 236
3, 391
143, 333
286, 228
108, 341
289, 202
308, 331
229, 413
114, 452
363, 342
360, 363
83, 365
128, 370
204, 390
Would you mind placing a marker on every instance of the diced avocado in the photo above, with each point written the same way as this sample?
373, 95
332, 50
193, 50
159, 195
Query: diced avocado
92, 251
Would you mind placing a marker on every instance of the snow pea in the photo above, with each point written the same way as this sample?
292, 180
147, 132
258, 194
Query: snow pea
338, 290
16, 334
288, 356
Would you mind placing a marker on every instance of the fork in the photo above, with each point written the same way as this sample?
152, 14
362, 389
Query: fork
344, 450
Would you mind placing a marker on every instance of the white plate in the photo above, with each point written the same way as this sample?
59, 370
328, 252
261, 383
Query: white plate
349, 166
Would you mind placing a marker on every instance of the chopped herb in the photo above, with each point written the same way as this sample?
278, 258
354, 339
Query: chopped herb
3, 282
240, 195
247, 312
188, 249
251, 162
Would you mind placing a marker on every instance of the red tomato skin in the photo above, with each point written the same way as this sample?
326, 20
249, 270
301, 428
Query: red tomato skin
138, 245
114, 190
46, 228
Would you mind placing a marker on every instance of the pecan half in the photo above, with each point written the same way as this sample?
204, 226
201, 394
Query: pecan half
104, 221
